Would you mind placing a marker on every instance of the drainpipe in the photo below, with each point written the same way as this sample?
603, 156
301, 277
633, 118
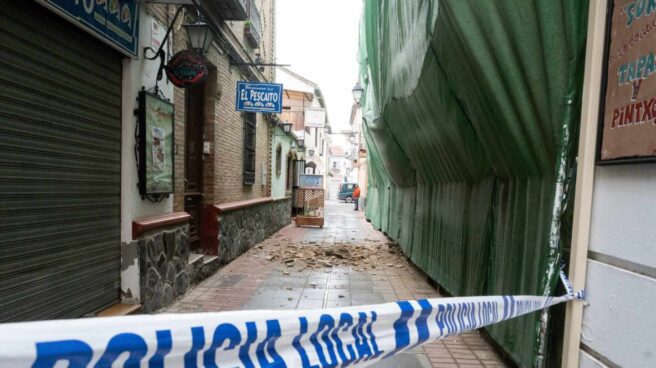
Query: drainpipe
594, 64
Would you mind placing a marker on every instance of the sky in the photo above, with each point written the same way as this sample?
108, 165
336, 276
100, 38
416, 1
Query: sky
319, 38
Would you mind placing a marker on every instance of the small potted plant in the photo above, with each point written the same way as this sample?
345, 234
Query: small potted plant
251, 34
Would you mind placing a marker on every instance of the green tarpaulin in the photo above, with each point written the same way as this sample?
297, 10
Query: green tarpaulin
471, 113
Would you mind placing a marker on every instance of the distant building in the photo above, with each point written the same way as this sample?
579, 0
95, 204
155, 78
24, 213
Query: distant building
339, 169
304, 107
303, 99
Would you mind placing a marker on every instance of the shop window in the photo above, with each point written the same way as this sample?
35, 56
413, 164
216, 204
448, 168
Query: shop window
278, 160
249, 148
288, 184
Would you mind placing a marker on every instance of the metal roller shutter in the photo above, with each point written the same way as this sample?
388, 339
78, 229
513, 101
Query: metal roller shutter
60, 167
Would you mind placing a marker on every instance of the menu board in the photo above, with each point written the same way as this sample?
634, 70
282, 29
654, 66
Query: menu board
628, 126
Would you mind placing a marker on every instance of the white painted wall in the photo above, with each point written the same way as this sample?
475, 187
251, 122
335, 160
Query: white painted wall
333, 189
279, 182
619, 325
624, 213
588, 361
136, 74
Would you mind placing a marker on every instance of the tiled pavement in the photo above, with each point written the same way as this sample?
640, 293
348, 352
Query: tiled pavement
252, 282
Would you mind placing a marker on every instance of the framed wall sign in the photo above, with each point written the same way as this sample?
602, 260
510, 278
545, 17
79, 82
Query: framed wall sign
627, 128
315, 117
259, 97
311, 181
115, 22
156, 145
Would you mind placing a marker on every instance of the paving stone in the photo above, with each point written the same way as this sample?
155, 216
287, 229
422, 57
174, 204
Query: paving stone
313, 294
338, 294
405, 360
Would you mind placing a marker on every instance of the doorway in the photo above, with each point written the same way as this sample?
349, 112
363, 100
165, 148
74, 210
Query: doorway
193, 198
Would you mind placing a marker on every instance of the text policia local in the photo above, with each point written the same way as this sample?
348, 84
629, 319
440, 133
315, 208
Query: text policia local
327, 341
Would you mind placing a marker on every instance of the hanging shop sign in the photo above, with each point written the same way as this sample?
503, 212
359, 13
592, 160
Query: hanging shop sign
186, 69
315, 117
628, 118
155, 145
114, 21
259, 97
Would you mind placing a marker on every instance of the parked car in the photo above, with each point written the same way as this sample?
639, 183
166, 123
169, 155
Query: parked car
346, 192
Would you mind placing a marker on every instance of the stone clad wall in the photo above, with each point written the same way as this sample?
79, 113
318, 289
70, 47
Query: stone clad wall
164, 269
241, 229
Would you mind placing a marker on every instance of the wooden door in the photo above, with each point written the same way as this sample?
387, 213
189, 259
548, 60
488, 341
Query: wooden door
194, 162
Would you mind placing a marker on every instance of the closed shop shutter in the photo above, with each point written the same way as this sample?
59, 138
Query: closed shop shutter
60, 157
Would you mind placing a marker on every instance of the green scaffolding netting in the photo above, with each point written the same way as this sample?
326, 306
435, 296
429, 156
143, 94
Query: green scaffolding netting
471, 117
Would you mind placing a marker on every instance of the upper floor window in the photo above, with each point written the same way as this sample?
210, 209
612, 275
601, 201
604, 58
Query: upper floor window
250, 124
278, 160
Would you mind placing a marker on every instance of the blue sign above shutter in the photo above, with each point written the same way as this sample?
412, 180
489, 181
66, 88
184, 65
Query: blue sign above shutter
115, 21
259, 97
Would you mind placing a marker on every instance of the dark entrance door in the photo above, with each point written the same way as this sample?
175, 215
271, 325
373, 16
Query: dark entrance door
194, 162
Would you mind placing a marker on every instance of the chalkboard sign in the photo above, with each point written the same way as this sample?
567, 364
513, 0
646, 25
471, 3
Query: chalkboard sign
628, 114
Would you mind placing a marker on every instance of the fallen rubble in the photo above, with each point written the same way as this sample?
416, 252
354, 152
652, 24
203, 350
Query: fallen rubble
367, 255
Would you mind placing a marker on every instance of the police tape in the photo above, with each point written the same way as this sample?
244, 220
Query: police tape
338, 337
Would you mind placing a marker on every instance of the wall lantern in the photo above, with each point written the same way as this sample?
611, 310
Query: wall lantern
186, 68
301, 142
287, 127
357, 93
311, 152
200, 36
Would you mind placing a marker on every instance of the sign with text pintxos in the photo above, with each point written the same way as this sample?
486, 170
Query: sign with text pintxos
628, 114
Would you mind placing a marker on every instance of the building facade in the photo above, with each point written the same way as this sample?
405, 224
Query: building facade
284, 154
68, 155
359, 154
612, 255
301, 96
339, 169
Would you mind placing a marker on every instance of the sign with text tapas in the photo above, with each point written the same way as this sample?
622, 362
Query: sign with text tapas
628, 119
259, 97
114, 21
315, 117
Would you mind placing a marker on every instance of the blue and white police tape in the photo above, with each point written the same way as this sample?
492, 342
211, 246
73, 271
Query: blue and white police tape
338, 337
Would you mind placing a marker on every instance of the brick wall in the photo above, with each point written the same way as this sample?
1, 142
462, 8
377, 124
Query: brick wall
229, 142
223, 128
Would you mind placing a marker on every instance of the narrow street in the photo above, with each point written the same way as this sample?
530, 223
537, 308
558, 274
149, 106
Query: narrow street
346, 263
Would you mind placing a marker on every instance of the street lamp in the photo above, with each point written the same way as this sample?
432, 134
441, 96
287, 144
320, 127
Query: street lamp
200, 35
357, 93
286, 127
